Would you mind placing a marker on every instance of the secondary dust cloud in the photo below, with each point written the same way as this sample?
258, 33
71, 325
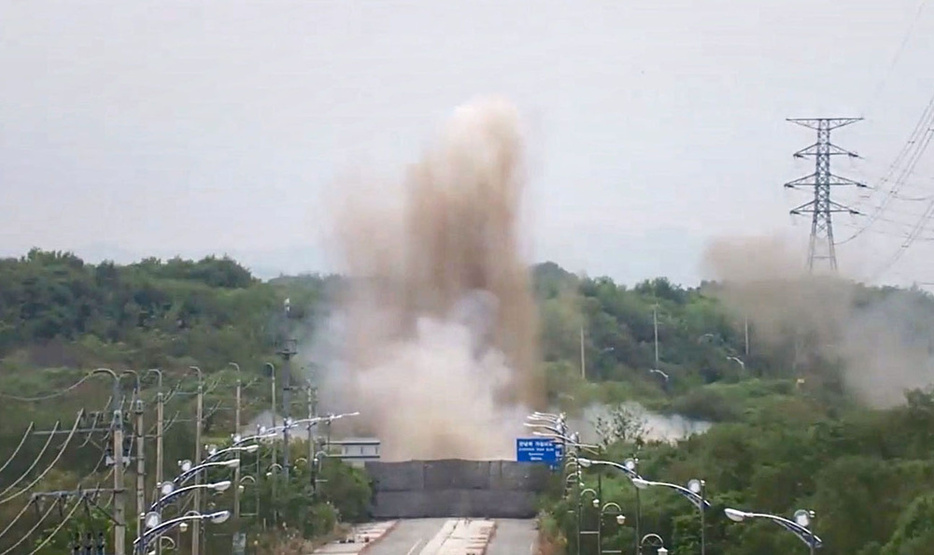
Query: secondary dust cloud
825, 327
434, 338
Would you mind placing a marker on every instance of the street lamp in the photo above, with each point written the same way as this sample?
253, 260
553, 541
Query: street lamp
738, 360
247, 479
155, 527
214, 453
630, 468
652, 540
273, 466
620, 520
188, 470
168, 492
573, 440
695, 493
800, 526
580, 511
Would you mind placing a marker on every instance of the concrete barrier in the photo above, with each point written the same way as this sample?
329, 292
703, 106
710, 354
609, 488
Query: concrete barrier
455, 489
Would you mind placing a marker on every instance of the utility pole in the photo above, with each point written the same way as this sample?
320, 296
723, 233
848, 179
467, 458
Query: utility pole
312, 393
583, 362
140, 466
239, 540
286, 352
746, 333
199, 424
160, 432
655, 328
237, 431
275, 457
119, 485
821, 246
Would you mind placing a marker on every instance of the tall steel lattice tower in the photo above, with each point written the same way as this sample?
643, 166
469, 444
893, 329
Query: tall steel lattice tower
821, 246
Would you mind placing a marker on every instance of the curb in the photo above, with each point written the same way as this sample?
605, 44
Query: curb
381, 536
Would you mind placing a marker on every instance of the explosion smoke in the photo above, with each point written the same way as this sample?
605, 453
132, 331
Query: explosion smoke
880, 342
439, 325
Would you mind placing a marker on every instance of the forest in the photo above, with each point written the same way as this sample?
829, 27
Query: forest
791, 428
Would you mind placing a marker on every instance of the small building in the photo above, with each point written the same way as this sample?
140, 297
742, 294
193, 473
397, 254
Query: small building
355, 451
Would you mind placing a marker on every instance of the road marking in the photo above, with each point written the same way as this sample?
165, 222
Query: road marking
414, 547
461, 536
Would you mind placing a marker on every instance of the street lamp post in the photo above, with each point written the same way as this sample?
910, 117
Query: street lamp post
631, 469
695, 493
800, 526
620, 520
272, 374
580, 514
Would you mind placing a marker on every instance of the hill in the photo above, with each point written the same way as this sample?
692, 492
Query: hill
795, 425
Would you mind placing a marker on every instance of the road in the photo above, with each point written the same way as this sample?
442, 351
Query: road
421, 537
513, 537
408, 537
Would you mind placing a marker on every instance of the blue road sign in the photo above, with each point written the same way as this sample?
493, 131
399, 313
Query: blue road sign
539, 450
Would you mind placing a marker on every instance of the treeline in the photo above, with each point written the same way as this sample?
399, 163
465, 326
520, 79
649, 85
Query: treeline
778, 446
58, 311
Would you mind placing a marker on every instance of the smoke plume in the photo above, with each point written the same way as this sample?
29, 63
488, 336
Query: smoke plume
434, 339
877, 342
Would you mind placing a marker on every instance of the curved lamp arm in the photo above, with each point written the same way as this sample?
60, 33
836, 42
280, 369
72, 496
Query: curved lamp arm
699, 502
185, 476
139, 544
158, 373
803, 533
631, 473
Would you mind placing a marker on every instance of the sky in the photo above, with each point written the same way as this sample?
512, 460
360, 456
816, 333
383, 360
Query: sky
156, 128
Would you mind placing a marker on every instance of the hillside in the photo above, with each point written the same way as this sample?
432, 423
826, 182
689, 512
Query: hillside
794, 428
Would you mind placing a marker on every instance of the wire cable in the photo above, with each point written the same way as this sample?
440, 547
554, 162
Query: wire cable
34, 463
15, 519
96, 489
896, 57
30, 532
47, 396
914, 148
56, 530
52, 464
18, 447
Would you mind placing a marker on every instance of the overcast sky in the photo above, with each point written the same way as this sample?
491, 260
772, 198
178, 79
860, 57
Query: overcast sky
184, 127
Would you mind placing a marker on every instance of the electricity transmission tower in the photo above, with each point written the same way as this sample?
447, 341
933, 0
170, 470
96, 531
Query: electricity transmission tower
821, 247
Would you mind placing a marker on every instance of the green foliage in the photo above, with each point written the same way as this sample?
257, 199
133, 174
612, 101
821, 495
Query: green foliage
776, 445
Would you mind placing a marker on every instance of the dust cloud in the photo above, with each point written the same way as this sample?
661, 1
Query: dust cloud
877, 345
434, 340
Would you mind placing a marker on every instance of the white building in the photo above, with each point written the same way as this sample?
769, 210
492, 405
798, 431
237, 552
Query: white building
355, 450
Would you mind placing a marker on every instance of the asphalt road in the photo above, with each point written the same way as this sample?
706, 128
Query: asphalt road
409, 537
513, 537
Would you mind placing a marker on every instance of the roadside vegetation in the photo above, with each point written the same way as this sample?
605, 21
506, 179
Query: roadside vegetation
787, 434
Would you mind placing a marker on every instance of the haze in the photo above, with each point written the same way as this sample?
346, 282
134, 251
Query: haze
162, 128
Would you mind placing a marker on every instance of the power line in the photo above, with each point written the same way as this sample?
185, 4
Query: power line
18, 447
821, 208
901, 168
47, 468
906, 37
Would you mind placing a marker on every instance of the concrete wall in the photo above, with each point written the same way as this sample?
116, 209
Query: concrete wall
455, 488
